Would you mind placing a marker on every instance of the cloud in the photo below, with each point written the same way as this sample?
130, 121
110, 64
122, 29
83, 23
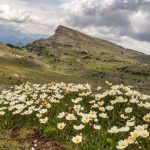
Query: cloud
32, 19
134, 44
51, 2
12, 15
140, 23
113, 20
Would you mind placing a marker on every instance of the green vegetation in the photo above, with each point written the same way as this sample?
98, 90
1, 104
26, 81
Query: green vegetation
71, 57
78, 115
18, 66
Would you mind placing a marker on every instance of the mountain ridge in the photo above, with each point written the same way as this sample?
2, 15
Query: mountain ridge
61, 28
67, 38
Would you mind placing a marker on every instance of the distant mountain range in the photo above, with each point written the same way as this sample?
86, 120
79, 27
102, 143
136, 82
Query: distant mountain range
17, 38
17, 41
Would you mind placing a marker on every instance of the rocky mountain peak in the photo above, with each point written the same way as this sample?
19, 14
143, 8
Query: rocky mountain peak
69, 33
67, 40
64, 30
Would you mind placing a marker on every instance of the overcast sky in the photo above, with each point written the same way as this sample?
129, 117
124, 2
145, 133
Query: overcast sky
125, 22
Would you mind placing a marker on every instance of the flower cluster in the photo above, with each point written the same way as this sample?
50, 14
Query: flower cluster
120, 113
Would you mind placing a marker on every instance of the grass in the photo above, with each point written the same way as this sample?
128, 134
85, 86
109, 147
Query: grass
104, 61
19, 66
86, 105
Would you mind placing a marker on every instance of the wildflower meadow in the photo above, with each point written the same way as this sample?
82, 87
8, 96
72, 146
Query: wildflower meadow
82, 117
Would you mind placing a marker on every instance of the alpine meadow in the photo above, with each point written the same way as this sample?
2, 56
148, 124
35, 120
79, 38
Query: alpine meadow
74, 75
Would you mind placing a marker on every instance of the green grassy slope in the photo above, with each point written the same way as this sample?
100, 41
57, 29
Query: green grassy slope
86, 58
17, 66
71, 56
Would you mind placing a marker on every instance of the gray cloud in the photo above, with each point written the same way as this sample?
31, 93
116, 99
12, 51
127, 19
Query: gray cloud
12, 15
55, 2
117, 16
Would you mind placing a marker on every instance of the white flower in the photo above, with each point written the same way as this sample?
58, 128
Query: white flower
141, 127
39, 115
146, 118
144, 133
3, 108
58, 96
95, 105
101, 103
77, 139
108, 83
47, 105
113, 102
135, 134
128, 110
61, 125
134, 100
103, 115
123, 116
113, 129
98, 88
71, 117
110, 107
92, 114
44, 120
80, 127
98, 97
78, 108
131, 140
122, 144
124, 129
85, 120
61, 115
77, 100
43, 111
29, 102
2, 113
32, 148
102, 109
92, 101
130, 123
43, 96
97, 127
95, 120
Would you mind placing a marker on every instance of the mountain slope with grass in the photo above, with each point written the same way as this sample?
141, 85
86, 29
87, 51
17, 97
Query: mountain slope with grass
72, 56
86, 57
33, 116
18, 66
67, 41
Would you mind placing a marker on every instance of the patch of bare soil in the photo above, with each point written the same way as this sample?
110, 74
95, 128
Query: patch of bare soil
40, 143
3, 87
31, 142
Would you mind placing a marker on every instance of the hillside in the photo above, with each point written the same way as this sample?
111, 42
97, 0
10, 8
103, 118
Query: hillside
72, 56
18, 66
91, 58
67, 41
